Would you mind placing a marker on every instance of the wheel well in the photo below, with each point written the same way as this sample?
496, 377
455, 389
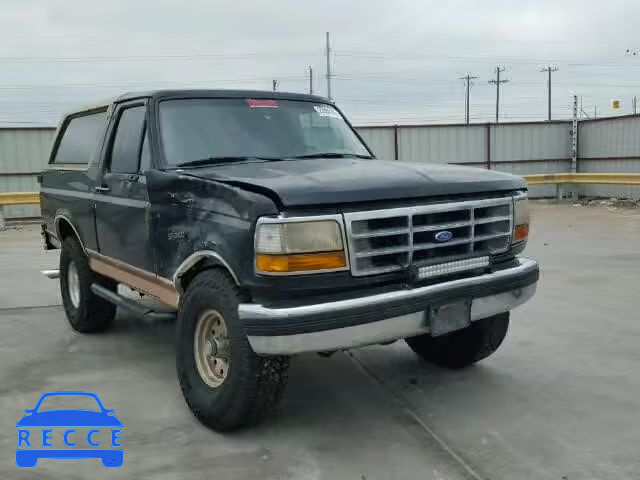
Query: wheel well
65, 229
206, 263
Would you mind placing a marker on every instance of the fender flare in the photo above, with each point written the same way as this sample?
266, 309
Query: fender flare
59, 218
194, 259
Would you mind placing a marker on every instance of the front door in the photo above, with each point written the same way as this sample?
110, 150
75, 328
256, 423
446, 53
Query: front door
122, 204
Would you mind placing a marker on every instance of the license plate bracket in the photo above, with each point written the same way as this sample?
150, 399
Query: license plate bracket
449, 317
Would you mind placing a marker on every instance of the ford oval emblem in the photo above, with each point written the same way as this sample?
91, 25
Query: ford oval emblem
443, 236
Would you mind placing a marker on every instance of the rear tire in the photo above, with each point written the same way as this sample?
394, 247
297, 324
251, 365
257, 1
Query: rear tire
464, 347
232, 387
86, 312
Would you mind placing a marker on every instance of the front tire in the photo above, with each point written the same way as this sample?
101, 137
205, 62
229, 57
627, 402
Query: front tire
224, 382
86, 312
464, 347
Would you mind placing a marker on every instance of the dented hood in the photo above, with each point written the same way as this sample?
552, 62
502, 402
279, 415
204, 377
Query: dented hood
344, 180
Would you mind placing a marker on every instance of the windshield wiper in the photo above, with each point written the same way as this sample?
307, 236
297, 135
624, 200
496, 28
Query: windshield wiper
222, 159
333, 155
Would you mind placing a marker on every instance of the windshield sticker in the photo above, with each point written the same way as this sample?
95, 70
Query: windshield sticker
326, 111
255, 103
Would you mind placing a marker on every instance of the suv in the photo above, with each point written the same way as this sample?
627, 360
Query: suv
264, 222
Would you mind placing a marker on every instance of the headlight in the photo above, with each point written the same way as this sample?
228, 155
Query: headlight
285, 246
520, 218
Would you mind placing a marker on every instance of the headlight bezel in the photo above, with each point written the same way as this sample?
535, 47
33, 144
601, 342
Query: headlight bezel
284, 220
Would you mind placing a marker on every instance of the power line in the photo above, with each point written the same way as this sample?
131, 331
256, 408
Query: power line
477, 59
497, 83
549, 69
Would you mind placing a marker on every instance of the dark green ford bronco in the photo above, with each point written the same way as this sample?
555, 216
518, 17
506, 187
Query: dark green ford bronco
265, 224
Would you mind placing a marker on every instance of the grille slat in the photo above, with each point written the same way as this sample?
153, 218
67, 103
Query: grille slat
392, 239
382, 251
426, 246
480, 238
492, 219
382, 233
444, 226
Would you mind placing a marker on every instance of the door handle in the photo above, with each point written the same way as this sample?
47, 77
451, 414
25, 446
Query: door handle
101, 189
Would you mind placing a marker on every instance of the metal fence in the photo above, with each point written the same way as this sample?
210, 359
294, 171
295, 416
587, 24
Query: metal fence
610, 145
519, 148
23, 155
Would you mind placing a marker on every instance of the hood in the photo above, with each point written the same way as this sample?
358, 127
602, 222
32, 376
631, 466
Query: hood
344, 180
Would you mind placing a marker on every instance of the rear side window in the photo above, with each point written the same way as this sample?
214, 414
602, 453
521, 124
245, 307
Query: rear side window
80, 139
127, 144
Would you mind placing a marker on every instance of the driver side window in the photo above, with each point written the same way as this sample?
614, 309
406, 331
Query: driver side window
128, 141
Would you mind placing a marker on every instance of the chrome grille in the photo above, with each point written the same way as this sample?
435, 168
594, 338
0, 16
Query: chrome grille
391, 239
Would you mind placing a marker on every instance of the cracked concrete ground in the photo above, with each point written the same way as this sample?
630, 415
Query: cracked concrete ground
560, 399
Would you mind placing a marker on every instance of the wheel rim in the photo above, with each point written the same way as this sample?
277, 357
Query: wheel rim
73, 285
211, 348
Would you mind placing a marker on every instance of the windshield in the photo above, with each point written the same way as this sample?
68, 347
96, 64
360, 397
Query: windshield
68, 402
195, 129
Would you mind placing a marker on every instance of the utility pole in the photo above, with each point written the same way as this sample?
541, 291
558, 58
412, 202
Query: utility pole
574, 144
467, 78
549, 69
328, 53
635, 105
595, 111
497, 83
310, 79
275, 85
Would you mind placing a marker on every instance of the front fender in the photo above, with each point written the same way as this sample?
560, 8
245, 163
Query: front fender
195, 220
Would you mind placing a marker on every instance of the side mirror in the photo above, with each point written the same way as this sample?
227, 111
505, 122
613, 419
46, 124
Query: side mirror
28, 410
109, 411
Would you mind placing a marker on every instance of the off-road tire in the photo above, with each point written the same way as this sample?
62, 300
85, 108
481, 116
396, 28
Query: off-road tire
464, 347
254, 384
93, 314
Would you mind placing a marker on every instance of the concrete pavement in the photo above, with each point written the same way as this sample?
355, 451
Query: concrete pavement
560, 399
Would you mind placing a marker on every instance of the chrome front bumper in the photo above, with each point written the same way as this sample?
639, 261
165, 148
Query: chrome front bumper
382, 317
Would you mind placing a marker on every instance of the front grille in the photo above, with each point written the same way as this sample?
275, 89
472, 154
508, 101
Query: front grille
392, 239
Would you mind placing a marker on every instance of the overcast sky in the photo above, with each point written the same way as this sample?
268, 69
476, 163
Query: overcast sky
394, 61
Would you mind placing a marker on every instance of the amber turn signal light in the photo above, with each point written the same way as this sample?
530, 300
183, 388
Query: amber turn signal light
521, 232
304, 262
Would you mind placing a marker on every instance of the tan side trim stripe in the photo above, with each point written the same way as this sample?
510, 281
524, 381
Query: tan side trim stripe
136, 278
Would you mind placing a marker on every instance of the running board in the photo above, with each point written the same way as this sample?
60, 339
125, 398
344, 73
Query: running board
131, 306
53, 274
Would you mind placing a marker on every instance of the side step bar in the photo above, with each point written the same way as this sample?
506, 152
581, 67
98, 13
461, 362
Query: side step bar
131, 306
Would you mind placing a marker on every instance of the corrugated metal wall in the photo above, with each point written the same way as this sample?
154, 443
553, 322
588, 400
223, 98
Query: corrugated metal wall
24, 152
441, 144
521, 149
381, 140
529, 148
611, 146
605, 145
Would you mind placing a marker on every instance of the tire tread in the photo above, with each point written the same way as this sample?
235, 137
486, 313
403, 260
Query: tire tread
464, 347
265, 377
94, 314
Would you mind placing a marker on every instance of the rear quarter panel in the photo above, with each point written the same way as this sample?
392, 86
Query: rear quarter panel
66, 192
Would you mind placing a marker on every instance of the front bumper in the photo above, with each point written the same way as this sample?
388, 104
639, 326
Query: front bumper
382, 317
